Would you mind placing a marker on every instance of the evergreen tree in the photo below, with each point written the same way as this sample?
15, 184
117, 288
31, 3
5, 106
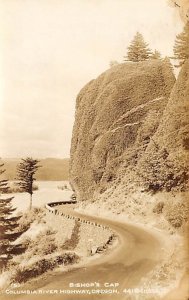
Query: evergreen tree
181, 47
168, 64
156, 55
25, 175
3, 182
138, 49
8, 224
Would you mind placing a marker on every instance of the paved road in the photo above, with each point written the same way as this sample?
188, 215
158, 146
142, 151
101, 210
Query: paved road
136, 254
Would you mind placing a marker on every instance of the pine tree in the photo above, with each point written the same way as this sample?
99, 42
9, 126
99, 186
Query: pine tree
3, 182
138, 49
25, 175
156, 55
181, 47
8, 224
168, 64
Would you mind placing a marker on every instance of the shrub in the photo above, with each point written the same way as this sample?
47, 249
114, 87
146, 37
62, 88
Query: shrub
44, 243
177, 214
45, 248
158, 208
158, 172
22, 274
35, 214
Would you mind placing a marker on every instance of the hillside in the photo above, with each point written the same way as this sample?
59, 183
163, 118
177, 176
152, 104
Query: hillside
52, 169
116, 115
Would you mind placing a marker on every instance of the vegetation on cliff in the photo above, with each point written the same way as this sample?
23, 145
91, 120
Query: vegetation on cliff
116, 116
138, 49
181, 47
166, 161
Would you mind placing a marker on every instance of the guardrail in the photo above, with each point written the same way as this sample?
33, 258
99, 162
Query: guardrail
51, 208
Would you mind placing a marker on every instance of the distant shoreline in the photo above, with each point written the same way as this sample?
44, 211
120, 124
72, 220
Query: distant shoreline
52, 169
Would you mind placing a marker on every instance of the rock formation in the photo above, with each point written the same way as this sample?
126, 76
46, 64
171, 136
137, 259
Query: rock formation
116, 116
169, 146
173, 132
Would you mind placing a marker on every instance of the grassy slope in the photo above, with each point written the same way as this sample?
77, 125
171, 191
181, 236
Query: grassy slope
40, 250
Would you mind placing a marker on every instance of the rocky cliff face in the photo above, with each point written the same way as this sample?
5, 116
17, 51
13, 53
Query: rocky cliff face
173, 132
166, 159
116, 116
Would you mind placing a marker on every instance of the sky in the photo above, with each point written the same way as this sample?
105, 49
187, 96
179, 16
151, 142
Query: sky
49, 49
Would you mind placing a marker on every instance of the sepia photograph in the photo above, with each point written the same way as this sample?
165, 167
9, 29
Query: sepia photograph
94, 149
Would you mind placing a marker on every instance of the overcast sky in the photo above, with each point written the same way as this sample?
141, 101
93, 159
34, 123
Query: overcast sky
51, 48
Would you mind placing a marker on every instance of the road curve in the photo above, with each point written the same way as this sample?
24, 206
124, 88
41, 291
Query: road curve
137, 253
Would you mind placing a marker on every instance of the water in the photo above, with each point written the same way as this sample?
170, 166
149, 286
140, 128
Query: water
48, 192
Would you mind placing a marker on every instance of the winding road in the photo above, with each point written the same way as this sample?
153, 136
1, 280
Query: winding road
137, 252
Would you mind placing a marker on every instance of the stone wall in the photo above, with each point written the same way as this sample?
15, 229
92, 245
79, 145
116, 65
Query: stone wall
93, 237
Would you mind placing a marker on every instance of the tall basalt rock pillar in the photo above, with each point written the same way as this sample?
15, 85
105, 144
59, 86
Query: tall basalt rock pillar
110, 111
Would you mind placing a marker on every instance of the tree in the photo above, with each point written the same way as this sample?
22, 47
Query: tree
138, 49
25, 175
181, 47
8, 224
168, 64
156, 55
160, 172
113, 63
